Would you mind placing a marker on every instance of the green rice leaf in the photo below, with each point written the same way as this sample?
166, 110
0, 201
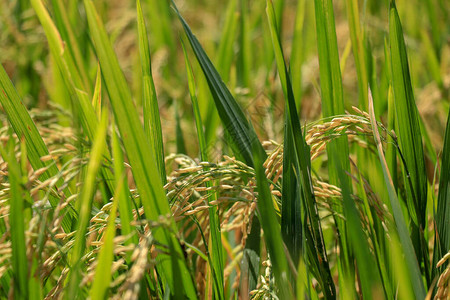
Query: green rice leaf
216, 242
72, 43
85, 207
102, 277
125, 208
369, 276
442, 242
271, 228
152, 122
97, 98
83, 109
244, 55
333, 105
409, 139
303, 158
400, 223
161, 23
17, 219
224, 59
297, 54
232, 116
291, 212
409, 133
225, 52
141, 155
357, 38
179, 138
25, 128
195, 107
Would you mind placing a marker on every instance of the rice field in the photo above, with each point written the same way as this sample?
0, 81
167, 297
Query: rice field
278, 149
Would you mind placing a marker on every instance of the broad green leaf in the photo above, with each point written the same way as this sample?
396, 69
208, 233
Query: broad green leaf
85, 207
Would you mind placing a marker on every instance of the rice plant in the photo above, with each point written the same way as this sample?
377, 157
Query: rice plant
224, 149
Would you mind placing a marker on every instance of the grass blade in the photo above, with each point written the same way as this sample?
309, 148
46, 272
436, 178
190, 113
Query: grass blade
303, 157
270, 225
233, 118
25, 128
291, 214
403, 233
214, 225
244, 55
97, 98
225, 49
410, 138
195, 107
442, 243
140, 154
17, 220
125, 211
73, 46
102, 277
332, 105
369, 276
357, 38
159, 16
230, 113
224, 60
179, 138
297, 54
83, 110
152, 122
85, 206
